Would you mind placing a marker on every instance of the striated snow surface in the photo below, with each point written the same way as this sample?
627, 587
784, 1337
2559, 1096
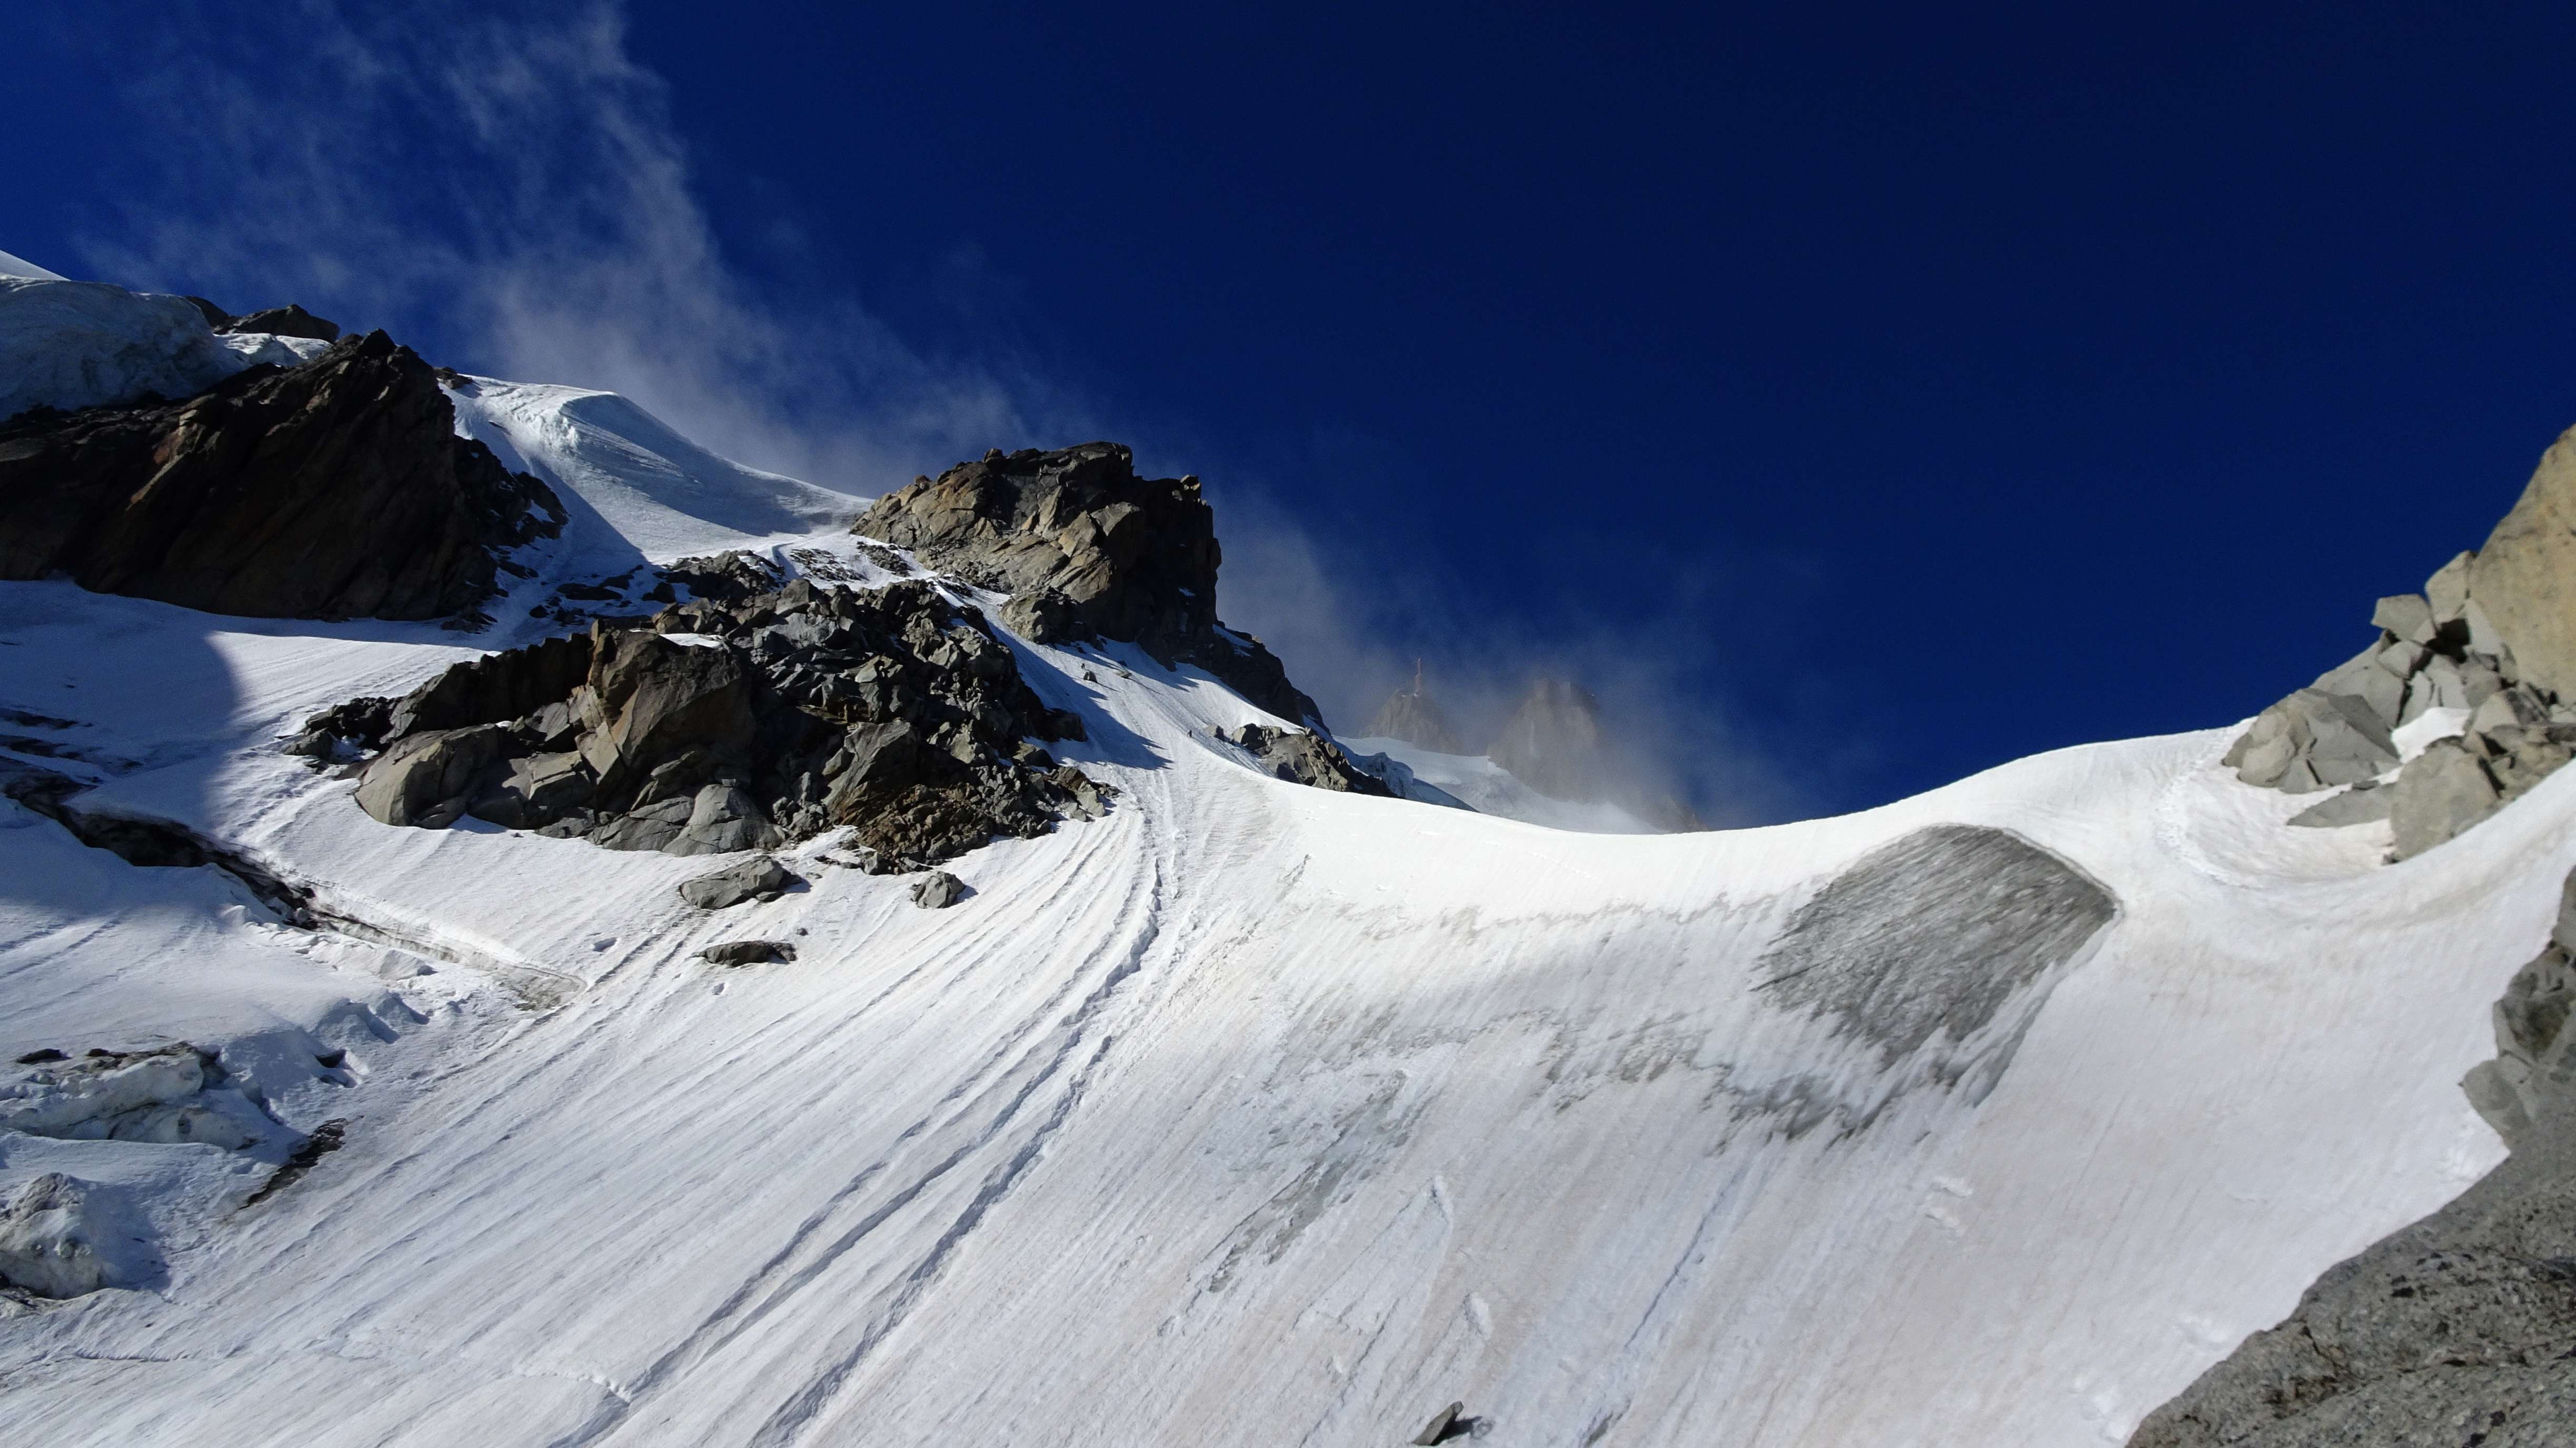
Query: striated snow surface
1250, 1114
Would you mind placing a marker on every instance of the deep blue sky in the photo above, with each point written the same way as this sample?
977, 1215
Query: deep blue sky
1878, 394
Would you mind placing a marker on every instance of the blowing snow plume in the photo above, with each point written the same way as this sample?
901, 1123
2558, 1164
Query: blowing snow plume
504, 190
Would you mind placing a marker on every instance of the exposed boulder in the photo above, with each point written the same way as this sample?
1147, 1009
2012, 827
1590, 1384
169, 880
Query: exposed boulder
429, 779
1128, 558
738, 726
938, 890
50, 1238
749, 952
337, 489
2314, 740
290, 320
487, 690
2362, 804
760, 879
1304, 758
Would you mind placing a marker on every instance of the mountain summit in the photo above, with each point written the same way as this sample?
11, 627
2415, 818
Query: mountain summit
1413, 716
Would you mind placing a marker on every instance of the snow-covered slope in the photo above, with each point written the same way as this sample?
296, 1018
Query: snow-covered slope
637, 486
1488, 788
12, 266
1249, 1114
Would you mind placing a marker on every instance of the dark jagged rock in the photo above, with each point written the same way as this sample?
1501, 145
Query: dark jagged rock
1303, 758
728, 577
739, 726
290, 320
2460, 1329
1128, 558
337, 489
749, 952
1413, 716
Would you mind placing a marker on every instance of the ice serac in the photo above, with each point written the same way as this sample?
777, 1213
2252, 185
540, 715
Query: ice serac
336, 489
1090, 550
71, 344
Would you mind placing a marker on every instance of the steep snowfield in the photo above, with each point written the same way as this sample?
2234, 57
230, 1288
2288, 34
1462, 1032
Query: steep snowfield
633, 483
1251, 1114
11, 266
1488, 788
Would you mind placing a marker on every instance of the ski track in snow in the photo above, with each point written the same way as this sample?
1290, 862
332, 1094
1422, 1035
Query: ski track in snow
1248, 1114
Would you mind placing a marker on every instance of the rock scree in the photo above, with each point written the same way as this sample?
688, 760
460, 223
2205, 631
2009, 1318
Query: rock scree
1088, 550
743, 725
336, 489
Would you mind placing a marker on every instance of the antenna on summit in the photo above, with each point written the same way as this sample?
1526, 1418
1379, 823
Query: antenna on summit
1417, 677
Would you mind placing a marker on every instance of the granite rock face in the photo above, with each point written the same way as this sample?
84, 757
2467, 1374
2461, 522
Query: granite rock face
336, 489
2523, 582
2439, 649
1088, 550
729, 726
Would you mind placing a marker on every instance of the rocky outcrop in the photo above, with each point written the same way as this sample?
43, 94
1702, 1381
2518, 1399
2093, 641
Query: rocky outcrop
2440, 649
1413, 716
2533, 1076
336, 489
742, 725
1088, 550
2460, 1329
1304, 758
286, 321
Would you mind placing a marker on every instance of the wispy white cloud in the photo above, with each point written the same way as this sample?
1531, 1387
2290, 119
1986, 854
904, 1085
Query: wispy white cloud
509, 185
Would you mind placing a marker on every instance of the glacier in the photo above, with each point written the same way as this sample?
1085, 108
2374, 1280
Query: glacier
1249, 1114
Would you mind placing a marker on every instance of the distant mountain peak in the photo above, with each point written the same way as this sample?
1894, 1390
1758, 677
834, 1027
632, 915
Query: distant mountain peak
1413, 716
